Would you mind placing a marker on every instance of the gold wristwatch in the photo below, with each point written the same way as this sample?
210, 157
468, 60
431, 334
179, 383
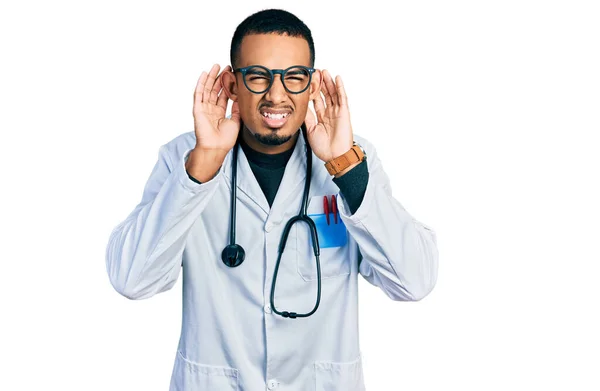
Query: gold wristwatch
354, 155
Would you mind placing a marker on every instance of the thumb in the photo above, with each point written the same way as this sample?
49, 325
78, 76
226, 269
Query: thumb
235, 113
310, 119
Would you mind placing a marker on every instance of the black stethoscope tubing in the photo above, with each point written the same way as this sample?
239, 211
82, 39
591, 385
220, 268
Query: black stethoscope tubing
233, 255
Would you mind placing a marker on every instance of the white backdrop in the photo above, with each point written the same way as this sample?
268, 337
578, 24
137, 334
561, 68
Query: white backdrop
485, 116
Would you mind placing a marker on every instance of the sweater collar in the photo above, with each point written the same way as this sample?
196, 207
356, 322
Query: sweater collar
265, 160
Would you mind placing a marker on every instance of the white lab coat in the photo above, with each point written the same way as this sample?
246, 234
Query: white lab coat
230, 339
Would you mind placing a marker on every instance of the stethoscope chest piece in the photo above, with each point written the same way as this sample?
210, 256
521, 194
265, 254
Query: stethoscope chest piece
233, 255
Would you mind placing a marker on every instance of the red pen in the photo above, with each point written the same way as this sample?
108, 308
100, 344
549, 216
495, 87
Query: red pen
326, 208
334, 208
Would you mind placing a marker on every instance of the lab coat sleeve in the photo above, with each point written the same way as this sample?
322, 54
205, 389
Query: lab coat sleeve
399, 254
144, 252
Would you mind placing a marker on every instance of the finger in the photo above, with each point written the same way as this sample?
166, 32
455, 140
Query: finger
210, 81
214, 94
325, 92
341, 91
331, 88
200, 88
222, 102
319, 104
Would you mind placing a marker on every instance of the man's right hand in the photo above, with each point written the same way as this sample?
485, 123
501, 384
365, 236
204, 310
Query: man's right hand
215, 134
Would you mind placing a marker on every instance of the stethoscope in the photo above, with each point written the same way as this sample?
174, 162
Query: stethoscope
233, 255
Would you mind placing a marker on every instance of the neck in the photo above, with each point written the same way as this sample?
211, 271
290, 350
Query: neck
267, 149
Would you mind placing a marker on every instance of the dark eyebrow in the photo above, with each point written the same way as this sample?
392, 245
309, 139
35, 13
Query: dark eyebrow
298, 72
258, 71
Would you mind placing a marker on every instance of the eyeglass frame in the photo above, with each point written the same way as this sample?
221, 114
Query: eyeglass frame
273, 72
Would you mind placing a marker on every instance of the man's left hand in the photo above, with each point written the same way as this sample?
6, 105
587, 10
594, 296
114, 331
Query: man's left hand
332, 135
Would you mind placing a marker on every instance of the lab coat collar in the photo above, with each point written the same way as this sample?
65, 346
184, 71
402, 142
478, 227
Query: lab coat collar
292, 182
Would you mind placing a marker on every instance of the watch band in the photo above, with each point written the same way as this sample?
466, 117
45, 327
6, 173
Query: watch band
340, 163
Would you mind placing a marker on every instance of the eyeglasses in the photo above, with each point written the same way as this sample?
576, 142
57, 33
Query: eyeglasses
259, 79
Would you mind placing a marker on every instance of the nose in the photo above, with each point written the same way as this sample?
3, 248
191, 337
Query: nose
277, 92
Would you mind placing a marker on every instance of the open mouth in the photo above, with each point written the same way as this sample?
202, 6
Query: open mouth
275, 118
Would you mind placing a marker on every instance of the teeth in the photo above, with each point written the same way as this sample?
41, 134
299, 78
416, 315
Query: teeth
275, 116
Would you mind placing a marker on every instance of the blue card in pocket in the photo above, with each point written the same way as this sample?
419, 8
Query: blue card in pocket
332, 235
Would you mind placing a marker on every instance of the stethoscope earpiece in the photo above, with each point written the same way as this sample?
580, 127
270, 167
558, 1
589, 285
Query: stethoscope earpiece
233, 255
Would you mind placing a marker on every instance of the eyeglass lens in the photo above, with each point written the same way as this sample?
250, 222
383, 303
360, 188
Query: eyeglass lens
258, 79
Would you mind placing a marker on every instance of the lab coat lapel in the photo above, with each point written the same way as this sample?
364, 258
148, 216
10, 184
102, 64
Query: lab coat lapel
292, 182
246, 181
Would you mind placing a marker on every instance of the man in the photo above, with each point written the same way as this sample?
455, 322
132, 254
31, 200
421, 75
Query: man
233, 338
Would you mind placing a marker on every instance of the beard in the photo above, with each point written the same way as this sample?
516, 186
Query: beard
272, 138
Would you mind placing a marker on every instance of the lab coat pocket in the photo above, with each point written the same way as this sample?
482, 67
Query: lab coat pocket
333, 242
191, 376
335, 376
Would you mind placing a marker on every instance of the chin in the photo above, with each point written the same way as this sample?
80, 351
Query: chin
275, 136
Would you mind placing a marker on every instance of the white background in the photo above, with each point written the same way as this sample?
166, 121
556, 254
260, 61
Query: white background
485, 115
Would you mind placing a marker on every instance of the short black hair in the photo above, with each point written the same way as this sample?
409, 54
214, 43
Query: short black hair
270, 21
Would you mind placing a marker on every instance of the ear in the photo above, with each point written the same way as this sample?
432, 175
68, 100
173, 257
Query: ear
315, 84
229, 80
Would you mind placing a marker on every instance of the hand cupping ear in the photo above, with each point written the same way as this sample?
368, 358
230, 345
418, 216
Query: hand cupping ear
330, 133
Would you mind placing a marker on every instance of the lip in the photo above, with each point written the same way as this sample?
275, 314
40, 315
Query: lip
275, 123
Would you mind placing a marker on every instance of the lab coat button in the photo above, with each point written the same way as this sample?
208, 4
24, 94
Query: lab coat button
268, 226
267, 308
272, 384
